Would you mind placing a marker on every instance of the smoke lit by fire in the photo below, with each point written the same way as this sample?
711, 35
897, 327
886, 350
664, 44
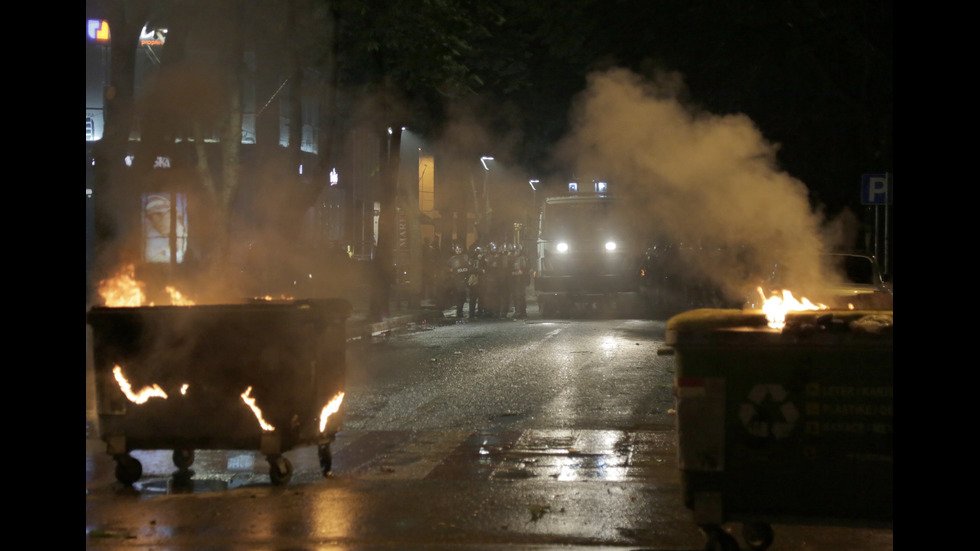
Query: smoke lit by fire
702, 182
124, 290
776, 307
176, 298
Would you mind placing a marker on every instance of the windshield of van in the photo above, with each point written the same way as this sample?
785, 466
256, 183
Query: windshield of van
583, 218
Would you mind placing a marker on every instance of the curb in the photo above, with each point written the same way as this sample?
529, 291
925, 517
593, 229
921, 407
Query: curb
362, 329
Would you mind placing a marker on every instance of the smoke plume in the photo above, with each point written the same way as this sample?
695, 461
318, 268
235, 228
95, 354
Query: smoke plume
700, 181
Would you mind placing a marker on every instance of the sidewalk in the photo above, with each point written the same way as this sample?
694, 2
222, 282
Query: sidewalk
399, 315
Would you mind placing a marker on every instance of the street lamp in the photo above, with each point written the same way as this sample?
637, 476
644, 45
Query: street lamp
486, 197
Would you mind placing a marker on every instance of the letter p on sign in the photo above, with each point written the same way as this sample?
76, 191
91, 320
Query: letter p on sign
876, 189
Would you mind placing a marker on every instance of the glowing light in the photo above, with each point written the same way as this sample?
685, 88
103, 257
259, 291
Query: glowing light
122, 289
98, 30
776, 307
140, 397
333, 406
250, 402
562, 247
610, 245
176, 298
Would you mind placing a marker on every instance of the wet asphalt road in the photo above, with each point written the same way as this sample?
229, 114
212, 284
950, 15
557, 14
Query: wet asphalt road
513, 483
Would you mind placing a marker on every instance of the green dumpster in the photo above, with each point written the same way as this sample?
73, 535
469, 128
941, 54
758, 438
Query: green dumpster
790, 426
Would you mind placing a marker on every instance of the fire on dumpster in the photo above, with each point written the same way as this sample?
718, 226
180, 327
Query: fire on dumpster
775, 307
143, 395
186, 376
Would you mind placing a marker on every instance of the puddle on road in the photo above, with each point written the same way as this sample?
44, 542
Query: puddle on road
182, 484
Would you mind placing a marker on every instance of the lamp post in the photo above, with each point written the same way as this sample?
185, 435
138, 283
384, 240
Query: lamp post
486, 197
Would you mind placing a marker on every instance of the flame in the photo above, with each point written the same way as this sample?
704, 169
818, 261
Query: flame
176, 298
258, 413
776, 307
269, 298
332, 407
144, 394
122, 289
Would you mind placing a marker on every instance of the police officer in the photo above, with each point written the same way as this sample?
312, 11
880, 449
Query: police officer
504, 265
477, 282
520, 278
490, 306
459, 273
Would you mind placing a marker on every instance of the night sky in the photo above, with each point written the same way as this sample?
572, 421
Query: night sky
815, 77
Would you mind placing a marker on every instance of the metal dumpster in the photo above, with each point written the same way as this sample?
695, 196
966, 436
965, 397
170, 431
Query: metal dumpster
253, 376
790, 426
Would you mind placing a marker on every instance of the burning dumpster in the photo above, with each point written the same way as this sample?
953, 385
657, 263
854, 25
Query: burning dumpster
264, 375
788, 426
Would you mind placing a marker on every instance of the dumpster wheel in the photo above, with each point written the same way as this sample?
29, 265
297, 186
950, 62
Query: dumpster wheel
128, 469
718, 539
280, 469
183, 459
757, 535
326, 460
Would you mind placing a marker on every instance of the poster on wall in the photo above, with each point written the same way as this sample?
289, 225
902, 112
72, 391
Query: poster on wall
164, 214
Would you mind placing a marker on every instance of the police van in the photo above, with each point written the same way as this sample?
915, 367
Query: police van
587, 253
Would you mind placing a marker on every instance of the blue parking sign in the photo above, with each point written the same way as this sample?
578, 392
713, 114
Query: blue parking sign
876, 189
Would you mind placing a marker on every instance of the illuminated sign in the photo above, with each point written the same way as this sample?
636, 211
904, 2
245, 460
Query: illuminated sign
573, 186
152, 37
98, 31
158, 208
334, 179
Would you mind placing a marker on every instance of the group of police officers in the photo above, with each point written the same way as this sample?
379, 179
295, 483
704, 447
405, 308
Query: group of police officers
490, 279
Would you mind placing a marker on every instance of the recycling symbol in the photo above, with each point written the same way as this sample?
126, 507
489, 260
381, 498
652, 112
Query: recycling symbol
768, 412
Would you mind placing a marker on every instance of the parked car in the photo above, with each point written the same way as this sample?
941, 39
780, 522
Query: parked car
862, 287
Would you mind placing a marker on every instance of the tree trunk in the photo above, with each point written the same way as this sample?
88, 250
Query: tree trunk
383, 264
231, 132
115, 214
410, 208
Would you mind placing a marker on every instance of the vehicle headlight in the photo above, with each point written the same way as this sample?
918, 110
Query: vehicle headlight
610, 246
562, 247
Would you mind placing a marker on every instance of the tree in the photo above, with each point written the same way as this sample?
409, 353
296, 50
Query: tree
411, 59
125, 20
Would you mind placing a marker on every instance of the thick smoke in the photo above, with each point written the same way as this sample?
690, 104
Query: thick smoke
701, 182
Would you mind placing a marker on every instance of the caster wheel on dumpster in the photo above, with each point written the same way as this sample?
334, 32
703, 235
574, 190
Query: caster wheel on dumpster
758, 535
183, 459
326, 460
128, 469
719, 540
280, 470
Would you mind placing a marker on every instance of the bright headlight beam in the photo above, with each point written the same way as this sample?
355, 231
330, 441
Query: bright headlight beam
561, 247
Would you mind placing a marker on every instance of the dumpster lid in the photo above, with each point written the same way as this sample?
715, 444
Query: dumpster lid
337, 309
704, 321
